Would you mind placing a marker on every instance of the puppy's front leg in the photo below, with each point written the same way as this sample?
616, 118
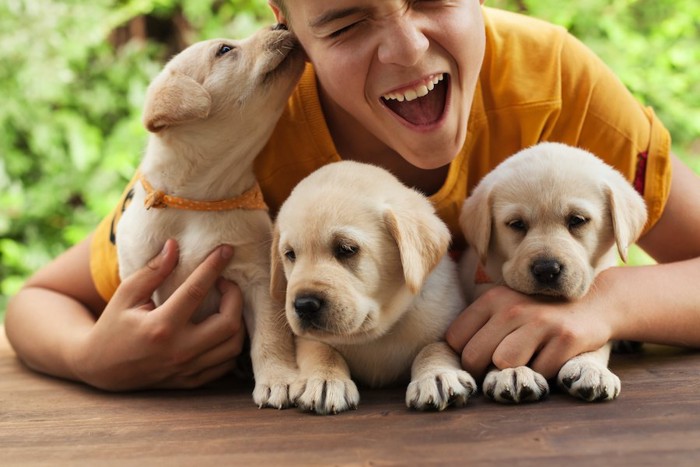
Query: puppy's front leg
272, 351
587, 376
324, 385
437, 379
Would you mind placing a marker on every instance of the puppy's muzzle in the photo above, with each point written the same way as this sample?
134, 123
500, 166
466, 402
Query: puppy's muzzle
546, 272
309, 308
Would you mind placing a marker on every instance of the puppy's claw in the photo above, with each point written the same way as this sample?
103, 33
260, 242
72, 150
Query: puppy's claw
589, 380
515, 385
439, 390
274, 391
326, 396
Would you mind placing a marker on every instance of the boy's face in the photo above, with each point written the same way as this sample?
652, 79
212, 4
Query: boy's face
373, 57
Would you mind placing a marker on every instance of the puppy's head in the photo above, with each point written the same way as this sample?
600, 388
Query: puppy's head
245, 82
550, 217
352, 246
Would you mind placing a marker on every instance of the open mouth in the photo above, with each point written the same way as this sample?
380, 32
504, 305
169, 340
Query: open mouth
422, 104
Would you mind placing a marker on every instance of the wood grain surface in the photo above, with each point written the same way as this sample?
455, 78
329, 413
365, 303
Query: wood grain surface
655, 421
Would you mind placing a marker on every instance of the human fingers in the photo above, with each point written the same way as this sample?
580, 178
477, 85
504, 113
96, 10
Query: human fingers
477, 354
559, 349
181, 305
138, 288
463, 328
221, 353
476, 332
222, 326
517, 348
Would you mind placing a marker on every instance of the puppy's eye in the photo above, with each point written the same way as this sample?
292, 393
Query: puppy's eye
223, 50
345, 250
290, 255
517, 225
576, 221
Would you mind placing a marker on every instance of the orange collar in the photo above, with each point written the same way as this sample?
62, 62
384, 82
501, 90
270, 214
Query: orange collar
250, 199
481, 276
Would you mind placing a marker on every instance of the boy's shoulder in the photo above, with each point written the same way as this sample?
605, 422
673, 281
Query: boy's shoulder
524, 61
515, 42
507, 26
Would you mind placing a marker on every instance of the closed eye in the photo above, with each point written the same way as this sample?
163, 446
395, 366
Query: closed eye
336, 34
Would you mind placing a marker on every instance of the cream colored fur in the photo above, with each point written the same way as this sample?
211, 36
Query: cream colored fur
550, 206
369, 290
210, 111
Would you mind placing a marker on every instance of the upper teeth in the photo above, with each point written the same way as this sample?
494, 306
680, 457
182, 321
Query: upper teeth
419, 91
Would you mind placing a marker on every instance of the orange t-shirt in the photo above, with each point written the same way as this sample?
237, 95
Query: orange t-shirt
537, 83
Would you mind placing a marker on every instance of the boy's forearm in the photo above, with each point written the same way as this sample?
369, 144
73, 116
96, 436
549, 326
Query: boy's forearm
45, 327
658, 304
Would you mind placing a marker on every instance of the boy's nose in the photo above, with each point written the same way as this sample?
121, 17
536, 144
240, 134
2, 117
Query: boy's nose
403, 43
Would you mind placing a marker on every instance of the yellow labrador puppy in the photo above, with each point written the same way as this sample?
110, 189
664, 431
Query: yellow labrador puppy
369, 290
546, 221
210, 111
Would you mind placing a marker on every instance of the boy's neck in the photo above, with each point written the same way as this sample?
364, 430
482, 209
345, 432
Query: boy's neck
354, 142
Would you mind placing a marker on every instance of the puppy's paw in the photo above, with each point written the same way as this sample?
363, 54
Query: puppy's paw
435, 390
325, 395
515, 385
273, 388
589, 380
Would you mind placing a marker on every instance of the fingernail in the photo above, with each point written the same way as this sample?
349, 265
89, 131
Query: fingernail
226, 252
166, 248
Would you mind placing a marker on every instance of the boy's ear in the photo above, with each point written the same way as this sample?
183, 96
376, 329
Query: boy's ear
174, 98
277, 11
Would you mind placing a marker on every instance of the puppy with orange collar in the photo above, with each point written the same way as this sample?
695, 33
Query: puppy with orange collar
210, 111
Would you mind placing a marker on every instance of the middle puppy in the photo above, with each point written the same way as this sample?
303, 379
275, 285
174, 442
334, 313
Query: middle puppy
369, 290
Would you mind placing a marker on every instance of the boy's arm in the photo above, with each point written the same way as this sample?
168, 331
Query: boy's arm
53, 324
54, 310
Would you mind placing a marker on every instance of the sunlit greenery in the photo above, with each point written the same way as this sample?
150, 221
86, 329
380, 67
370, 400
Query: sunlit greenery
70, 131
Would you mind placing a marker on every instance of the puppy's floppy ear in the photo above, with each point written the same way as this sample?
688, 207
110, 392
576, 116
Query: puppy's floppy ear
628, 212
174, 98
475, 221
422, 239
278, 281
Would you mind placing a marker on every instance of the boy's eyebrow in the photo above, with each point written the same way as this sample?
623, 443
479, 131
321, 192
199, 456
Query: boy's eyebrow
333, 15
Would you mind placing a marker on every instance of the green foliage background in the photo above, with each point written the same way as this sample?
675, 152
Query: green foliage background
70, 131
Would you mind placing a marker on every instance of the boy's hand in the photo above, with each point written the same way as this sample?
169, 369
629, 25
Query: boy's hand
508, 329
135, 345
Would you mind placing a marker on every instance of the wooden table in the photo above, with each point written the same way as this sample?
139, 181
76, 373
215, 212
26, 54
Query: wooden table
656, 421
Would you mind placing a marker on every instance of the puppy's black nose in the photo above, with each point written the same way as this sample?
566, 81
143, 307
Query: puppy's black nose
546, 271
308, 307
279, 27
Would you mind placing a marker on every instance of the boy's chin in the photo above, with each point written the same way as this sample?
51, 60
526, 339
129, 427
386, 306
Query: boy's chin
430, 160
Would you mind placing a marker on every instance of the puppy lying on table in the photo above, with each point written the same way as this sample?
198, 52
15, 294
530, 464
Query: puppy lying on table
546, 221
210, 111
369, 290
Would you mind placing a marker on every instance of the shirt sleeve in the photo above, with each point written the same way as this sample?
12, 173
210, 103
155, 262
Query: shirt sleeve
104, 265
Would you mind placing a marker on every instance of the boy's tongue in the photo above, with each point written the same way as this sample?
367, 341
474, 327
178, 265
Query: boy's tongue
423, 110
